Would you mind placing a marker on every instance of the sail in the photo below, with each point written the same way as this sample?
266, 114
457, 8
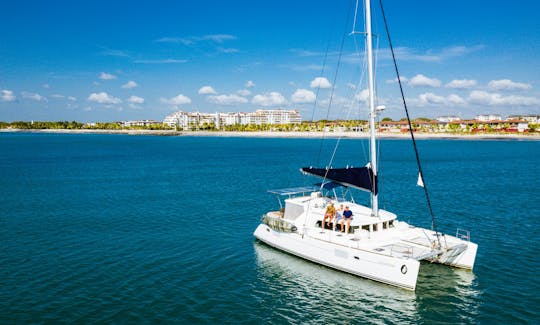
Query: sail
358, 177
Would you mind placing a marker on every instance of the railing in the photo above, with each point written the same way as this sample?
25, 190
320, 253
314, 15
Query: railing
463, 234
403, 250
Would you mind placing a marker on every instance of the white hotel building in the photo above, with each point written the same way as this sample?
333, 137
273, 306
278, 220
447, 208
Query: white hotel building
186, 120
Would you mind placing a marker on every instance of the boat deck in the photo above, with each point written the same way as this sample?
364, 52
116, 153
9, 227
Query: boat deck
415, 247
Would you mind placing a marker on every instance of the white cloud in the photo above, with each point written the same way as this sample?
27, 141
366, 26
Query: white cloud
362, 96
178, 100
244, 92
395, 80
231, 99
461, 84
103, 98
217, 38
455, 99
506, 84
60, 96
249, 84
7, 96
106, 76
432, 55
33, 96
130, 84
46, 86
269, 99
303, 96
320, 82
207, 90
351, 85
422, 81
496, 99
433, 99
136, 100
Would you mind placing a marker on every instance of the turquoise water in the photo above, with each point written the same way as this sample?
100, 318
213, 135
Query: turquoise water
118, 228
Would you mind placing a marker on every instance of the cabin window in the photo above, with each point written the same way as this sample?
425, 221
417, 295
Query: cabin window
365, 227
375, 226
391, 224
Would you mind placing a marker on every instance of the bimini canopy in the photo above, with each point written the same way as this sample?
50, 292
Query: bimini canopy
358, 177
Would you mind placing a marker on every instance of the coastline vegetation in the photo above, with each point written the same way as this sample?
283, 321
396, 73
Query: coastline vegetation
386, 125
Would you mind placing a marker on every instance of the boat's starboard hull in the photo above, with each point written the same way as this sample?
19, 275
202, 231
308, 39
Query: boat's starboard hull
391, 270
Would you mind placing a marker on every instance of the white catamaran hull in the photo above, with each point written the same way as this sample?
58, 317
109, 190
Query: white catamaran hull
395, 271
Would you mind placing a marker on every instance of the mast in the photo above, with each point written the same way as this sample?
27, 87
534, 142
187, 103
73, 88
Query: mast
372, 111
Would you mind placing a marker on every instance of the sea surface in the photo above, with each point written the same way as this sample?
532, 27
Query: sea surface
147, 229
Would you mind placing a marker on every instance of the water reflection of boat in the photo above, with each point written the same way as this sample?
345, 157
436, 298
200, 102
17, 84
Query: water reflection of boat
300, 287
441, 287
303, 285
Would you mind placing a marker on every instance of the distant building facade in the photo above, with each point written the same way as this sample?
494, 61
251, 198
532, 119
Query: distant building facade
186, 120
138, 123
529, 118
448, 118
482, 123
488, 118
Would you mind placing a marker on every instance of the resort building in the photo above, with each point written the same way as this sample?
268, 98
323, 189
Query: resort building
448, 118
462, 126
138, 123
488, 118
535, 119
186, 120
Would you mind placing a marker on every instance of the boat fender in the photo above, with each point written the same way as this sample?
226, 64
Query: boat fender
403, 269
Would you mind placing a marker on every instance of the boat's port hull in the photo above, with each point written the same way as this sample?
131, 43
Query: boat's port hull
400, 272
461, 258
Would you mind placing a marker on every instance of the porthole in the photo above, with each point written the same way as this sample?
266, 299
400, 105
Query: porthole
403, 269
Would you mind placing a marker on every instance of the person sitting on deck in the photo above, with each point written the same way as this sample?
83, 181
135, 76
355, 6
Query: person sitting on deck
338, 218
347, 217
328, 215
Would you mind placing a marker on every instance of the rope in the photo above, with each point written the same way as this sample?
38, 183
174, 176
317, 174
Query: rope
433, 221
332, 97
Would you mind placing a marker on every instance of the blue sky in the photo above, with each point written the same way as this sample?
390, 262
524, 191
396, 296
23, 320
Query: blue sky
123, 60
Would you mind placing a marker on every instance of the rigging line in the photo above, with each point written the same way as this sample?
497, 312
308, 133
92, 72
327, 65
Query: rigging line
316, 102
359, 85
356, 98
319, 88
356, 101
334, 89
354, 19
317, 97
433, 223
380, 183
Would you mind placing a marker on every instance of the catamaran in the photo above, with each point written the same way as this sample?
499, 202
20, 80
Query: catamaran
377, 245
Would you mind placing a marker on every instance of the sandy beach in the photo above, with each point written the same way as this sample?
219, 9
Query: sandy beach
277, 134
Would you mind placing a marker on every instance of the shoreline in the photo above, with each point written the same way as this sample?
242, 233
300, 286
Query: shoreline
277, 134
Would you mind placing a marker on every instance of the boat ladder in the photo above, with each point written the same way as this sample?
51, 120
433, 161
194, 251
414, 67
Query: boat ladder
463, 234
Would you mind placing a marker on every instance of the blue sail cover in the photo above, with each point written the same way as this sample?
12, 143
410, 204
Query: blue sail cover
358, 177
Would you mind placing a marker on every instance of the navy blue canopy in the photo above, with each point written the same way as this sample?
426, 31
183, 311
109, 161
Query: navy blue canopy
328, 185
358, 177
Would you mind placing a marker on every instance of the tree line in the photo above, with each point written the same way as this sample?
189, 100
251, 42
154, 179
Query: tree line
305, 126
